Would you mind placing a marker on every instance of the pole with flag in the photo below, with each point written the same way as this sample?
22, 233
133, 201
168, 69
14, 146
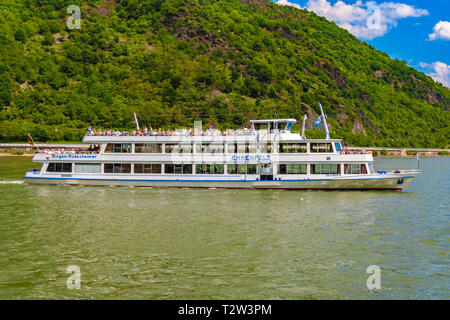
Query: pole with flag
135, 120
418, 161
324, 117
31, 141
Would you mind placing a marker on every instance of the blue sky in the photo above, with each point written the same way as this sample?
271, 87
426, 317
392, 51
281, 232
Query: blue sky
415, 31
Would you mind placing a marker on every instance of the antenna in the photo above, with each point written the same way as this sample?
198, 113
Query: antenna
303, 127
324, 122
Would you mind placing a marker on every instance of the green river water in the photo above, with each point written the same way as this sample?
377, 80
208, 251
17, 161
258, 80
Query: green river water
150, 243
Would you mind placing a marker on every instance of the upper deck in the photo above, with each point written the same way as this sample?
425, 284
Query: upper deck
268, 139
257, 136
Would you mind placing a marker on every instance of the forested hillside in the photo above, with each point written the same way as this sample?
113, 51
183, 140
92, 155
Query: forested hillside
222, 62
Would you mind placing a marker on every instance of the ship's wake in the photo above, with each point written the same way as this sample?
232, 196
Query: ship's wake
11, 182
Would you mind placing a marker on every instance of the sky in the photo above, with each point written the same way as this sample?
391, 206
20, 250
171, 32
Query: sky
416, 31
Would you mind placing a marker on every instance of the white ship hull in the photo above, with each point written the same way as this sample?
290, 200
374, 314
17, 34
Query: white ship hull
366, 182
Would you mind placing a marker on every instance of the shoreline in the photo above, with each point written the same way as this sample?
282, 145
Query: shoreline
9, 154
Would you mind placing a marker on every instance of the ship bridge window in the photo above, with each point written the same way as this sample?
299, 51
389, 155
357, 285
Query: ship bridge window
242, 168
292, 147
242, 148
321, 148
88, 168
59, 167
209, 169
178, 168
118, 148
147, 168
355, 169
148, 148
293, 168
328, 168
210, 148
117, 168
178, 148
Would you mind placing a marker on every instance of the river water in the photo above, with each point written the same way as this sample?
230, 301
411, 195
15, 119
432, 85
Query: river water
150, 243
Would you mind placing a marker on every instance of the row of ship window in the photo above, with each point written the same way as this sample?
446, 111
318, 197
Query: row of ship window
204, 168
217, 148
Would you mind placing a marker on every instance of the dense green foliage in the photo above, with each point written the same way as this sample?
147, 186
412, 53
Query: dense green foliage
223, 62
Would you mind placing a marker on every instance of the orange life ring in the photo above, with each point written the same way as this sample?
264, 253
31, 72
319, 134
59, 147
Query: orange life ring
397, 171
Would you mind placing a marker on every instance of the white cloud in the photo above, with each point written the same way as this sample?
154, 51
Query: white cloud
439, 71
441, 31
287, 3
367, 20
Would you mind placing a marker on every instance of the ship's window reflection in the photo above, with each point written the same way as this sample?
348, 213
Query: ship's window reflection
147, 168
325, 169
355, 169
242, 169
59, 167
117, 168
321, 148
209, 168
293, 168
178, 168
118, 148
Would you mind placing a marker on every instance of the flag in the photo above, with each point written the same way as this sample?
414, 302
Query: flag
30, 139
318, 122
135, 120
417, 156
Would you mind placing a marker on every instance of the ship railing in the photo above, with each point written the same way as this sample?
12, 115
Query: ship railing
354, 152
67, 152
181, 133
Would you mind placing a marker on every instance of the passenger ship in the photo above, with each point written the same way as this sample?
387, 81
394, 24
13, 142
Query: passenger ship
268, 157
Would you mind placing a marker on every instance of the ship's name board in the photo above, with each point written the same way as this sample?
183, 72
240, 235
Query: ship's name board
250, 157
73, 156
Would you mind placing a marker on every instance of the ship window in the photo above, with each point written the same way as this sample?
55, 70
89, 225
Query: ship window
321, 148
292, 148
178, 148
355, 169
325, 168
148, 148
117, 168
178, 168
242, 168
59, 167
88, 168
209, 168
251, 169
252, 148
210, 148
293, 168
337, 145
265, 148
118, 148
242, 148
147, 168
